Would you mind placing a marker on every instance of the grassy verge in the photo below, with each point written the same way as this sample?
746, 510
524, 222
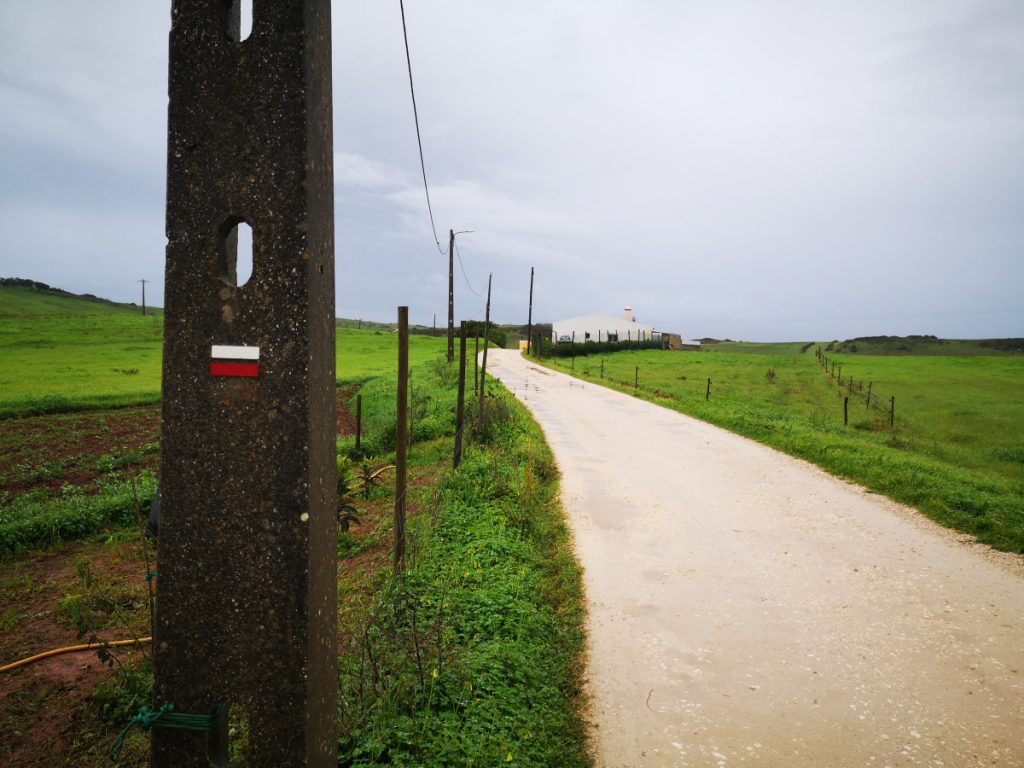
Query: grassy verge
35, 520
955, 453
470, 656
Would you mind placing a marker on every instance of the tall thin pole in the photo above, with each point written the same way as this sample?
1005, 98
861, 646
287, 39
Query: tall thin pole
359, 421
483, 367
143, 296
451, 295
401, 441
529, 317
461, 402
476, 364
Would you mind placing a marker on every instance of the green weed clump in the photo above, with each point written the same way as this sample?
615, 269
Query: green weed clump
432, 397
35, 520
469, 657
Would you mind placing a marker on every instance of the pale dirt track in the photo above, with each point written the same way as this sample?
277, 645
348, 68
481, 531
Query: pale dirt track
745, 608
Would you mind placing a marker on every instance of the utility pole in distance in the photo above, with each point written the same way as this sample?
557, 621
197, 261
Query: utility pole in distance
144, 296
451, 295
529, 318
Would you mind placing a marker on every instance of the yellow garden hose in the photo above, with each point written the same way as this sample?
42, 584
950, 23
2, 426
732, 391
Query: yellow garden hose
73, 649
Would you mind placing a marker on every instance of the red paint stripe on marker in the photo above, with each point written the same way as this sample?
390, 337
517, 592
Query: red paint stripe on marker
234, 369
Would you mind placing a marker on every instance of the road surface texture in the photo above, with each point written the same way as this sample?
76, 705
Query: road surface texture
746, 608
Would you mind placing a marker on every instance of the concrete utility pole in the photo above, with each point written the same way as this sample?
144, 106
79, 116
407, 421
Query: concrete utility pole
248, 529
529, 317
451, 295
144, 296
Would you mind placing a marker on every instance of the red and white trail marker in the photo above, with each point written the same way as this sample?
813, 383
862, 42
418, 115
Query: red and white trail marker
228, 360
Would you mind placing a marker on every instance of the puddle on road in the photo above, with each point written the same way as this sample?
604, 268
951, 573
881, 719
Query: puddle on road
608, 512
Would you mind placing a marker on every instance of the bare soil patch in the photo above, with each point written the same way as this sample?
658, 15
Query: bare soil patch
42, 705
51, 451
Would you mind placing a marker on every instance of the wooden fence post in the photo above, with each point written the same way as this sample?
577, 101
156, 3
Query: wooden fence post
461, 402
846, 410
892, 411
412, 412
867, 402
359, 421
602, 369
636, 377
401, 438
707, 395
476, 356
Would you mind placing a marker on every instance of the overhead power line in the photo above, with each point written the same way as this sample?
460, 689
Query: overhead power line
463, 268
416, 118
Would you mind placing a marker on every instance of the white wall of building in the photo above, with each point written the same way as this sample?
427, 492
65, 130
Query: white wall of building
598, 327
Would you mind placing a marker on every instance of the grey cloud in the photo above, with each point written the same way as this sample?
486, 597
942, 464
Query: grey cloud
783, 170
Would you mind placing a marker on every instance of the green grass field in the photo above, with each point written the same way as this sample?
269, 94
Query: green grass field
470, 656
956, 451
60, 354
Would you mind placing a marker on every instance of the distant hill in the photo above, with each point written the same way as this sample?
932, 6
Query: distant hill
924, 345
28, 298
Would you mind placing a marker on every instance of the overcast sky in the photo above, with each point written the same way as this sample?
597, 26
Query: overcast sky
764, 171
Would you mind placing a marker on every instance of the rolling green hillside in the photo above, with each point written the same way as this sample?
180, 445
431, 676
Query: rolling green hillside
61, 353
25, 298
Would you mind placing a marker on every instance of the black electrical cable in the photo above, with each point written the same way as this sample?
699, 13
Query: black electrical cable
416, 118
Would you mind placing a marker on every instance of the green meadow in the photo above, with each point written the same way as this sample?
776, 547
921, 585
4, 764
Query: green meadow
60, 354
470, 655
956, 450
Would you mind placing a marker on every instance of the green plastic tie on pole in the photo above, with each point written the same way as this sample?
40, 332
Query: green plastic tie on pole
165, 717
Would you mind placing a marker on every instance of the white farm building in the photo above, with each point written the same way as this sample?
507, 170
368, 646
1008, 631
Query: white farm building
602, 327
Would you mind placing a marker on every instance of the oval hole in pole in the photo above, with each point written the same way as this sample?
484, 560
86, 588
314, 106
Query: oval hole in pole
246, 26
236, 260
243, 259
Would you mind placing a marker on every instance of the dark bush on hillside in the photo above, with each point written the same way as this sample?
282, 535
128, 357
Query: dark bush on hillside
498, 336
594, 347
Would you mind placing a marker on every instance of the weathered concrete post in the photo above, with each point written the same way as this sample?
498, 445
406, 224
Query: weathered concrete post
247, 548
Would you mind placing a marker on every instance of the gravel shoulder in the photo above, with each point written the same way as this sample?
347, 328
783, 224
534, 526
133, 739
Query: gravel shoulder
746, 608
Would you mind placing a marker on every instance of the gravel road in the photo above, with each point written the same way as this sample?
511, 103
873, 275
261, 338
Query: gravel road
746, 608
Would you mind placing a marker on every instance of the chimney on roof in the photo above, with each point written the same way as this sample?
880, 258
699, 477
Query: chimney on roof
629, 315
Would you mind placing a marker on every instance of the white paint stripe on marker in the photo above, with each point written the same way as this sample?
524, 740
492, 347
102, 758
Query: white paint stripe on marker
226, 351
